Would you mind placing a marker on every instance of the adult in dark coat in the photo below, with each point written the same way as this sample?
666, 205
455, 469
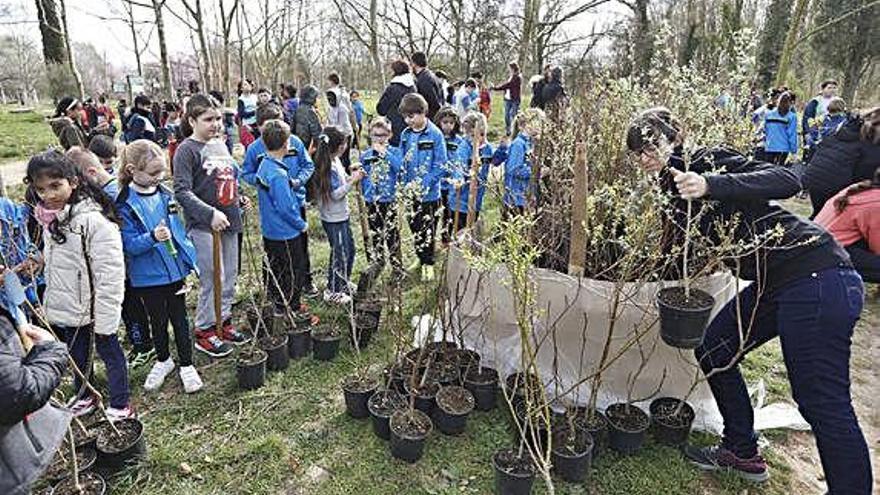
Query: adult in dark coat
850, 155
427, 84
401, 84
538, 87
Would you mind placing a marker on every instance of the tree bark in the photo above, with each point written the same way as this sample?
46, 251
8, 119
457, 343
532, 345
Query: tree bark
54, 50
70, 59
800, 12
163, 48
772, 39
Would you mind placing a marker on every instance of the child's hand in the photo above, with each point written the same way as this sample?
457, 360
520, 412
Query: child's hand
37, 334
162, 233
357, 175
219, 221
245, 202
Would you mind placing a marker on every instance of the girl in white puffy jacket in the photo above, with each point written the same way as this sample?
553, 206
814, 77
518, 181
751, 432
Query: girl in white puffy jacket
84, 272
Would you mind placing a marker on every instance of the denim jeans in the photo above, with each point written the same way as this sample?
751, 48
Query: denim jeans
814, 318
79, 344
511, 108
341, 255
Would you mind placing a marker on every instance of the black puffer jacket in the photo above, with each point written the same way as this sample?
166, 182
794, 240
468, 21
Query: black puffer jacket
840, 160
389, 101
307, 125
745, 190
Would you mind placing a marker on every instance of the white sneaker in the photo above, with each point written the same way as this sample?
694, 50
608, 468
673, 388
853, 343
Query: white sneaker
191, 381
157, 374
328, 296
342, 298
82, 407
114, 414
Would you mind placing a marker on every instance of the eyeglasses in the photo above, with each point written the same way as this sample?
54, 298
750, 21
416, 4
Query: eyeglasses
380, 136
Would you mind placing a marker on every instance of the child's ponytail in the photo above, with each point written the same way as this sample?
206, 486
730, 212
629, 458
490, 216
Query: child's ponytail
328, 143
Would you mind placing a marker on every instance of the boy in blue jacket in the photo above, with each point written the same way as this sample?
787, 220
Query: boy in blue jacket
381, 164
518, 168
300, 169
280, 220
424, 157
473, 125
159, 257
781, 131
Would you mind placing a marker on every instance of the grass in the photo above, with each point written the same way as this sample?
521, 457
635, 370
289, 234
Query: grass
272, 440
23, 133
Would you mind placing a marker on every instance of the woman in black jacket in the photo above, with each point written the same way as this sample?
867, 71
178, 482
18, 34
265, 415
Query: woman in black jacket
400, 85
803, 290
850, 155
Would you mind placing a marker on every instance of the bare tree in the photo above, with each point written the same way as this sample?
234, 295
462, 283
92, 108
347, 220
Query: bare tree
364, 28
70, 59
226, 19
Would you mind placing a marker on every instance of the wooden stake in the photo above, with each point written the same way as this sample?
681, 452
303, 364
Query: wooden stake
475, 169
365, 225
218, 283
455, 213
578, 252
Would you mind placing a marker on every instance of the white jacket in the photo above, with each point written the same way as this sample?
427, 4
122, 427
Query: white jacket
69, 285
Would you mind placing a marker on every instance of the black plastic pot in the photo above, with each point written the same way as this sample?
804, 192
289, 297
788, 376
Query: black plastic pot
425, 396
596, 426
513, 475
59, 470
276, 350
484, 385
440, 346
683, 321
325, 346
113, 456
398, 373
381, 405
370, 307
91, 482
535, 425
357, 393
666, 428
466, 359
627, 427
444, 370
299, 342
365, 326
250, 369
406, 445
449, 420
571, 460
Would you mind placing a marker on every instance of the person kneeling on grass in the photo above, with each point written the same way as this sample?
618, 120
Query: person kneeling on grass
804, 290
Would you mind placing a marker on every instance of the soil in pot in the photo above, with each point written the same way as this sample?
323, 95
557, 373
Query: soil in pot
445, 371
627, 427
671, 424
514, 475
572, 453
299, 342
365, 326
126, 447
357, 391
250, 368
275, 347
596, 424
85, 438
454, 404
325, 343
382, 404
683, 319
60, 467
425, 394
90, 483
440, 346
409, 430
466, 359
483, 383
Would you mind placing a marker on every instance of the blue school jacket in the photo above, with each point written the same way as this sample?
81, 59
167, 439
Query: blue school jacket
279, 205
380, 182
16, 244
780, 132
462, 170
424, 157
518, 171
299, 165
148, 261
452, 145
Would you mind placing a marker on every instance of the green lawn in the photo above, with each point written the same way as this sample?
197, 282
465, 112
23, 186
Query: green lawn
23, 134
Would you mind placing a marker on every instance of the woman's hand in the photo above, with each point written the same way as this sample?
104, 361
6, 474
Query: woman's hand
691, 185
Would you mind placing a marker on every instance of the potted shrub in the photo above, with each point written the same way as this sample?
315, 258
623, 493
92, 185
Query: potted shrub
121, 443
454, 404
274, 343
514, 472
410, 428
381, 405
325, 342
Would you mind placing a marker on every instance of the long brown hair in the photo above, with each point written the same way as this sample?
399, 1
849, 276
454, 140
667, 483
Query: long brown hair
139, 153
328, 142
842, 202
871, 125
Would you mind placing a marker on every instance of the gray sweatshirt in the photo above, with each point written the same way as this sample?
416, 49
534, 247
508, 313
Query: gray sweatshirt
336, 209
205, 179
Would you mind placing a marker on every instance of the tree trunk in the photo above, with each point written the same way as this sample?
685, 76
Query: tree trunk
163, 48
643, 42
530, 13
794, 27
54, 50
859, 57
374, 41
70, 59
129, 9
772, 39
203, 45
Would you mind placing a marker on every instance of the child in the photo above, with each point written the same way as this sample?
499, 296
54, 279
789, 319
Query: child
228, 122
381, 164
205, 185
299, 168
282, 225
85, 273
835, 116
67, 124
93, 170
19, 252
518, 168
264, 97
290, 104
470, 99
246, 115
358, 106
330, 186
448, 122
474, 126
104, 147
307, 124
159, 256
141, 124
780, 131
424, 157
171, 128
485, 100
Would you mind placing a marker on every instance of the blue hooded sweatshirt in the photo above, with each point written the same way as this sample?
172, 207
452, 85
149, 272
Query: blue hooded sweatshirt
518, 171
297, 161
16, 245
462, 170
279, 206
424, 157
148, 261
780, 132
380, 182
452, 145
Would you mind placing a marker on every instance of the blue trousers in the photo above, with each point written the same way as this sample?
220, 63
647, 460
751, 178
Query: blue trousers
341, 255
814, 319
511, 108
79, 343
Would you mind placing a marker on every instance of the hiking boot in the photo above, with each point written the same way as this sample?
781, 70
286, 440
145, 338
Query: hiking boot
138, 359
718, 458
208, 342
230, 334
82, 406
157, 374
192, 382
118, 414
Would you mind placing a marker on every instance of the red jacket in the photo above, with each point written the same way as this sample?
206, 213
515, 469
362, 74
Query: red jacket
859, 220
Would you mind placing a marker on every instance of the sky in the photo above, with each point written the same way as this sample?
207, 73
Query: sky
92, 21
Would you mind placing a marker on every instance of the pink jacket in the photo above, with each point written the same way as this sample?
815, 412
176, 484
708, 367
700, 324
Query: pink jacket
860, 220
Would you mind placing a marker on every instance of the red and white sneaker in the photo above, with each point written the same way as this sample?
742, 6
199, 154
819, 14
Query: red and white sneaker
208, 342
232, 335
114, 414
82, 406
